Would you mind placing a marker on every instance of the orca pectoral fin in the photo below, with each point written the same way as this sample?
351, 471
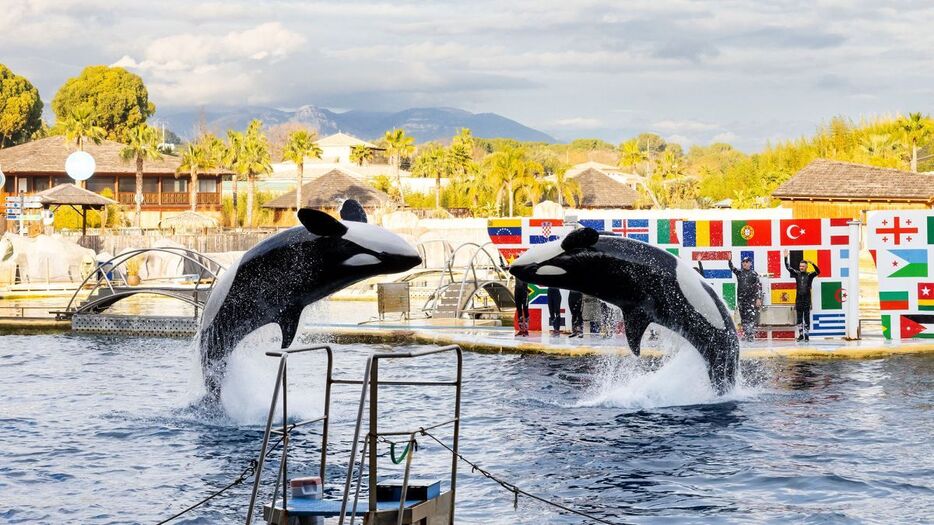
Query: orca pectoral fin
637, 322
288, 323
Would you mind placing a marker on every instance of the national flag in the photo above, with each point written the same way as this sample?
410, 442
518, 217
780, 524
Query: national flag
783, 293
752, 233
822, 258
702, 233
893, 300
667, 230
637, 229
543, 230
597, 224
674, 251
800, 232
828, 324
931, 229
926, 296
844, 262
505, 231
832, 295
887, 326
774, 263
917, 325
510, 254
729, 295
897, 231
903, 263
839, 232
538, 294
715, 263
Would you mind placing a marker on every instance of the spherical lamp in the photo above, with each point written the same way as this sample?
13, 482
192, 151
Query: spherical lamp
80, 165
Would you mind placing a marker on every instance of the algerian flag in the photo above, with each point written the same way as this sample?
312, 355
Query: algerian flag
903, 263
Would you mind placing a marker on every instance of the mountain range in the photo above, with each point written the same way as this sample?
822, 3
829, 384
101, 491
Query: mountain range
424, 124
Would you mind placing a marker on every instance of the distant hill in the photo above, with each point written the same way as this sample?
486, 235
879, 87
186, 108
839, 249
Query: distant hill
422, 123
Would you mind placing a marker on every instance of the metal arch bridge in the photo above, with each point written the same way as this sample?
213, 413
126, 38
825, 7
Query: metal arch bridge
111, 286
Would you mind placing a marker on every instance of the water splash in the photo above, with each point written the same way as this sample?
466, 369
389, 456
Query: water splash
677, 379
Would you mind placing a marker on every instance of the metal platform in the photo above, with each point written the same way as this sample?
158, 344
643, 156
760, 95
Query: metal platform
151, 326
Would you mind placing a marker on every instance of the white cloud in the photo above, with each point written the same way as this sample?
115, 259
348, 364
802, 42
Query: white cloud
579, 123
683, 126
726, 136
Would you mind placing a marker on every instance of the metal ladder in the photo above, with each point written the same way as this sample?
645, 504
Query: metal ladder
369, 387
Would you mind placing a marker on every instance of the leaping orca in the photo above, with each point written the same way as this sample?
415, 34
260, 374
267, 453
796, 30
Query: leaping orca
648, 284
276, 279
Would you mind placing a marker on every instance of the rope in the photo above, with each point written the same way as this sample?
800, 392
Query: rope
516, 491
247, 472
405, 452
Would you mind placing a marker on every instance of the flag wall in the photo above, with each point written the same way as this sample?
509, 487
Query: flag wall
902, 246
712, 242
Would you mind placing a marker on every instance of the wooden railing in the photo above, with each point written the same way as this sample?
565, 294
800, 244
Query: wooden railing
169, 199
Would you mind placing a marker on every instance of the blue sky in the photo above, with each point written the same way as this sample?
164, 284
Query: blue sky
741, 71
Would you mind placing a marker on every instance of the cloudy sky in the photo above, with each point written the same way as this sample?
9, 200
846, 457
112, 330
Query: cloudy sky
742, 71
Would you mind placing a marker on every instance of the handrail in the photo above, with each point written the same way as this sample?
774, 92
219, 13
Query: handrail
121, 259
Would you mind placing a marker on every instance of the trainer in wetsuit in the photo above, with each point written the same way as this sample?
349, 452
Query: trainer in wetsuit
521, 293
554, 310
576, 305
748, 296
803, 281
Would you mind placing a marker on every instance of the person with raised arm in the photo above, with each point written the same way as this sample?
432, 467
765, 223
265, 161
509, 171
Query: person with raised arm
803, 282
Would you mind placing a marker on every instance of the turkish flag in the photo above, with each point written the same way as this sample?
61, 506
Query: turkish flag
800, 232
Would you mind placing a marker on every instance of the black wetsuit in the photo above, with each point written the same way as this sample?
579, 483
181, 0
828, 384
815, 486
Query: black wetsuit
803, 282
554, 308
748, 291
576, 304
521, 293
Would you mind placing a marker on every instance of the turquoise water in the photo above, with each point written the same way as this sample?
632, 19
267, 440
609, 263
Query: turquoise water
103, 430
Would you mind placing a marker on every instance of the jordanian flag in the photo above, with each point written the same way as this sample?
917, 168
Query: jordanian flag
893, 300
752, 233
920, 326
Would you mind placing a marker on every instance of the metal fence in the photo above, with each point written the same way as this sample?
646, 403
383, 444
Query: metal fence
200, 242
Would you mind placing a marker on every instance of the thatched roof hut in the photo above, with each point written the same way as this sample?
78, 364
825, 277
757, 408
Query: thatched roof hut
71, 195
48, 155
188, 221
828, 188
329, 190
601, 191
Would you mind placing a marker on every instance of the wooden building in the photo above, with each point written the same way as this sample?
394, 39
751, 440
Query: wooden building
328, 191
39, 165
600, 191
826, 188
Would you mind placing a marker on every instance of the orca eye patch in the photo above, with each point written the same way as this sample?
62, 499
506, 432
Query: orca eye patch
581, 238
361, 259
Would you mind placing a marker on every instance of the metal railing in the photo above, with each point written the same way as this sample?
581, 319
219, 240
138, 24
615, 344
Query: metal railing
469, 277
369, 387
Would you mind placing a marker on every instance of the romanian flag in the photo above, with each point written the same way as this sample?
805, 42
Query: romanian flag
752, 233
897, 300
925, 296
505, 231
667, 231
702, 233
783, 293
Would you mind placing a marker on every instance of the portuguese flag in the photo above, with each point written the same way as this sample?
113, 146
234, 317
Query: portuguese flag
752, 233
893, 300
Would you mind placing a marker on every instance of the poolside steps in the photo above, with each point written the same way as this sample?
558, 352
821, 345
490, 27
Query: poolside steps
447, 306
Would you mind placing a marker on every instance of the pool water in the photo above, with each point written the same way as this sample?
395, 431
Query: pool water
108, 430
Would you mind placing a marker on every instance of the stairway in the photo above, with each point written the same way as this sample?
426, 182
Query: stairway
446, 306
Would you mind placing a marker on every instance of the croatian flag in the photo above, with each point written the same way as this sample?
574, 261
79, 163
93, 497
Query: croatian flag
544, 230
637, 229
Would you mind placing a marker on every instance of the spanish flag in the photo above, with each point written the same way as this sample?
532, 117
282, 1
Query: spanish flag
783, 293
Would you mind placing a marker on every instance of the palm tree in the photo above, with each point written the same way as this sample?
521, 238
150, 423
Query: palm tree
566, 190
80, 126
631, 155
248, 154
300, 144
232, 154
142, 143
399, 145
361, 154
509, 170
916, 129
196, 157
434, 161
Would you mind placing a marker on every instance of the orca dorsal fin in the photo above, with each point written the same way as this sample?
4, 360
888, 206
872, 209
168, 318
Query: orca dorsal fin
637, 322
351, 210
320, 223
288, 323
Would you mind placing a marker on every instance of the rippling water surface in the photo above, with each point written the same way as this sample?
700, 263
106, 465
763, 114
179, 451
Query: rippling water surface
106, 430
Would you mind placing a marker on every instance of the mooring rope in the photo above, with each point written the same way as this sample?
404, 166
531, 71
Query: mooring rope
516, 491
248, 471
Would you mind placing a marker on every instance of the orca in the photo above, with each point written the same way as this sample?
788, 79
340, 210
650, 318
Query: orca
276, 279
648, 284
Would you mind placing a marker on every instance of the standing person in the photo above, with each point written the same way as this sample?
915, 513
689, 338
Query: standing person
576, 304
521, 294
803, 281
748, 296
554, 310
